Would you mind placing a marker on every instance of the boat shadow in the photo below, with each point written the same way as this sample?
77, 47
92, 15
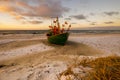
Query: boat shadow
68, 43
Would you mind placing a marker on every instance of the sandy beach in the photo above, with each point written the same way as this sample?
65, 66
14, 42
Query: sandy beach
31, 57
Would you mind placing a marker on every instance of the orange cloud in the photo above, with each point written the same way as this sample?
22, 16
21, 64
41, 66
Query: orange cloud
5, 8
44, 8
39, 8
19, 17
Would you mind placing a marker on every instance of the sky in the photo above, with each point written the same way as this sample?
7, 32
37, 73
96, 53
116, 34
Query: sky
38, 14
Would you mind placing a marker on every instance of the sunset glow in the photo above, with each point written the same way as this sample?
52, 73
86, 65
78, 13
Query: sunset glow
38, 14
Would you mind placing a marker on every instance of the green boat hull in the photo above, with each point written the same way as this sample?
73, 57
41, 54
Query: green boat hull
59, 39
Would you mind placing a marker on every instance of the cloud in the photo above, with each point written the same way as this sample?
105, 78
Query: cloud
67, 18
111, 13
33, 8
109, 22
74, 23
93, 23
35, 22
92, 14
19, 17
7, 9
79, 17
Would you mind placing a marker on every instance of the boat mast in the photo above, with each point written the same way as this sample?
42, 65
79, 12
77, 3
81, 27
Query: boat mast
58, 24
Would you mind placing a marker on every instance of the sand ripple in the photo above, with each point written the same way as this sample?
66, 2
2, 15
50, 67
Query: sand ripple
24, 51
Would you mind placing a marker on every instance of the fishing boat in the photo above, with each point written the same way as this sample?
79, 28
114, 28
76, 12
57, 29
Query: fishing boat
59, 38
58, 35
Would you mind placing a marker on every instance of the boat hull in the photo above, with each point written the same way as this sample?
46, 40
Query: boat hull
59, 39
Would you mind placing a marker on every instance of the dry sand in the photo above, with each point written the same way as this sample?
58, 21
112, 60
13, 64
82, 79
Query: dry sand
109, 44
31, 57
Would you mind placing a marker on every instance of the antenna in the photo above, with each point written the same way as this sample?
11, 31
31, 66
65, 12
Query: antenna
51, 21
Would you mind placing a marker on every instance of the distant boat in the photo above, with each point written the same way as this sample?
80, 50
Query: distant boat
59, 38
58, 35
